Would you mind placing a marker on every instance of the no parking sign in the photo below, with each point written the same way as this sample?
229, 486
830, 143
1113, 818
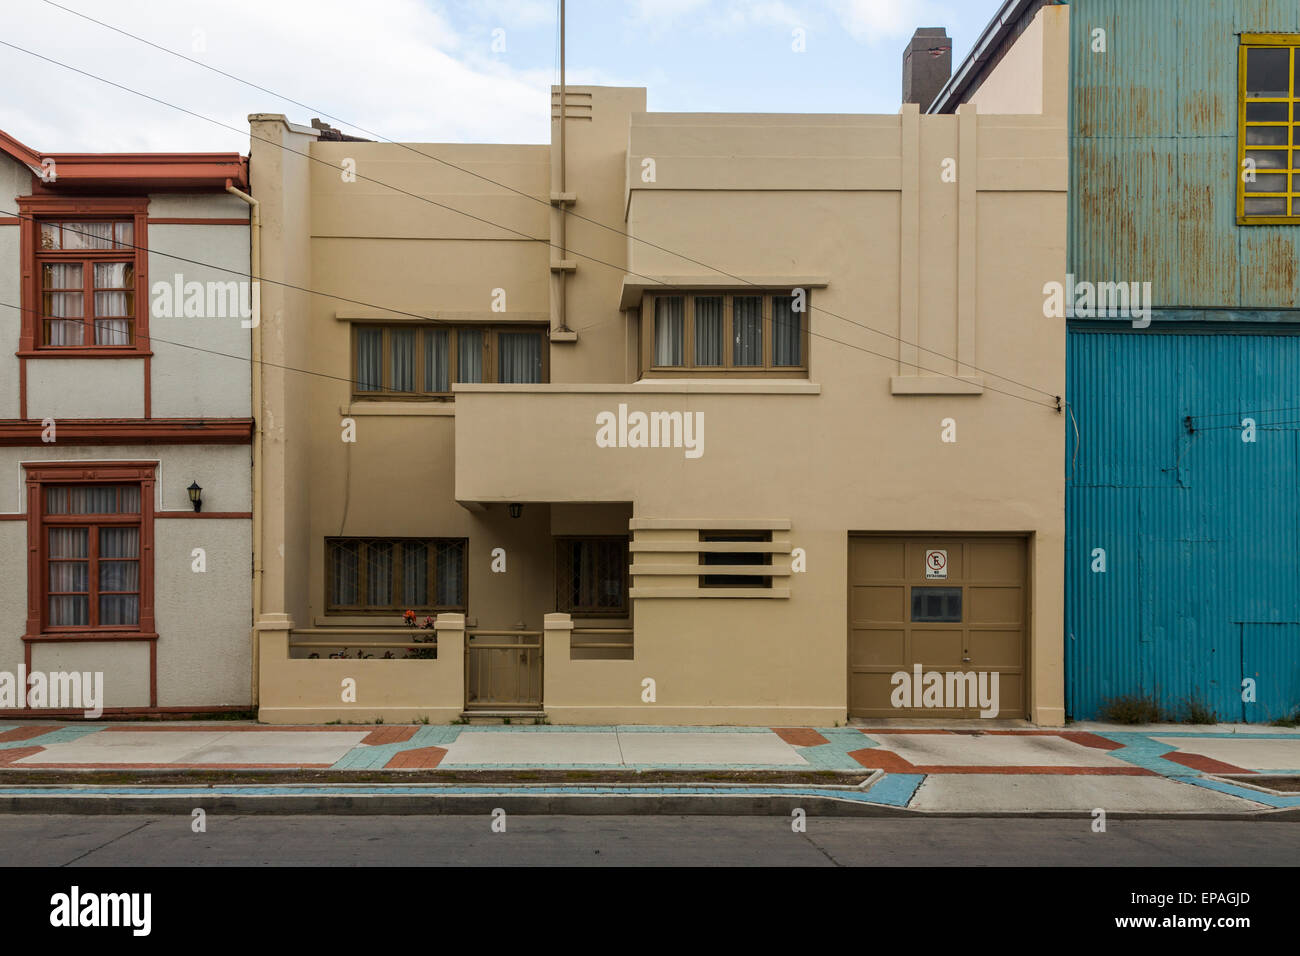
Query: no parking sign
936, 565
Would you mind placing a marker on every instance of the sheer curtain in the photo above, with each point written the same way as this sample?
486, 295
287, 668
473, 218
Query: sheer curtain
670, 330
469, 355
379, 574
436, 360
344, 574
69, 593
747, 328
401, 360
708, 330
519, 357
115, 306
119, 580
88, 235
64, 323
451, 574
787, 338
370, 359
415, 574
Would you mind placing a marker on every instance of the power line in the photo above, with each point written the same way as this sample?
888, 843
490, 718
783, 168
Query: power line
422, 318
564, 209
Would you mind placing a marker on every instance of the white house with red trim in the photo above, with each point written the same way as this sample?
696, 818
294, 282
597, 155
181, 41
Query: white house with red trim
126, 427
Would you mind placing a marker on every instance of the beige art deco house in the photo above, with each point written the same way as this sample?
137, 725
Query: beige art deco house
125, 430
683, 418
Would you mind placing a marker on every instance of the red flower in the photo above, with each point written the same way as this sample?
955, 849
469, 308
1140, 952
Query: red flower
409, 617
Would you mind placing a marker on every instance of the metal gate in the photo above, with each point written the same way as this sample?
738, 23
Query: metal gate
503, 670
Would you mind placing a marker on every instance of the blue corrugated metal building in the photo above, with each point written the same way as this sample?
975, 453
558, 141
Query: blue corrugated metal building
1183, 439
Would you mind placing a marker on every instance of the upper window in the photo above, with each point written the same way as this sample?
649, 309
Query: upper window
391, 575
1268, 184
419, 361
86, 287
91, 544
764, 333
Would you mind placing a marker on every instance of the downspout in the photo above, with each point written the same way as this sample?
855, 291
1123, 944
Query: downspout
564, 185
255, 274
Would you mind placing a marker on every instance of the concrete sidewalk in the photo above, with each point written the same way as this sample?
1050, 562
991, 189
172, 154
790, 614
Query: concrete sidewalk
928, 769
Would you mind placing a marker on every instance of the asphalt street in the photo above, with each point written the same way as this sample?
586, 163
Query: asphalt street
313, 841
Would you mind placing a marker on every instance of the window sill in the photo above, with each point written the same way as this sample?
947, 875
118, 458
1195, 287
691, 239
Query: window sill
90, 635
936, 385
80, 353
413, 407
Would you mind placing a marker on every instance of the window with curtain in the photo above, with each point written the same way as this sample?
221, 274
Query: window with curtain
86, 273
709, 334
591, 576
787, 332
423, 361
92, 556
519, 357
670, 330
747, 330
752, 333
392, 575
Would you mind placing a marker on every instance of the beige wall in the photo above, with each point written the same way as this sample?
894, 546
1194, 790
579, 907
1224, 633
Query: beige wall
856, 209
1033, 75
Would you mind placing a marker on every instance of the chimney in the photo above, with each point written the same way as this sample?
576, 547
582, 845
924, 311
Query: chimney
927, 65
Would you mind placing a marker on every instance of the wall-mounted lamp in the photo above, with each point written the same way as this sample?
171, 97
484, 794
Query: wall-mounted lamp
516, 509
196, 495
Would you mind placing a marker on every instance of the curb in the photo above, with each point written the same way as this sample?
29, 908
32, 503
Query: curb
569, 804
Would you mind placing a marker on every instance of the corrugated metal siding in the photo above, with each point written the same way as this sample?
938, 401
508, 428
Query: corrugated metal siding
1153, 157
1201, 530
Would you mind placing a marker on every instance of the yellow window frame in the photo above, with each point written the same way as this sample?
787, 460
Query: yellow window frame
1291, 196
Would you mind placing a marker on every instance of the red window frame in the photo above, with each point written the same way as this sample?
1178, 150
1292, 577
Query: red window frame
39, 477
35, 210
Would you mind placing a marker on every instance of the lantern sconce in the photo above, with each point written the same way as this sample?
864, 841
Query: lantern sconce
196, 495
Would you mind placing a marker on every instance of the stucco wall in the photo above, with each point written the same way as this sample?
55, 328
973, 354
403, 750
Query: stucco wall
201, 363
203, 619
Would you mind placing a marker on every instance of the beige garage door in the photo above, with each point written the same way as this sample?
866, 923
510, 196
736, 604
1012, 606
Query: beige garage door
972, 620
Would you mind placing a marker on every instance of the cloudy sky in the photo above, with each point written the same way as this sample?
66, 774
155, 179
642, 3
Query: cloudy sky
428, 71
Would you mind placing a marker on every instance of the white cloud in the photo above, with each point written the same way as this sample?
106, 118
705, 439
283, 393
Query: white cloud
405, 73
873, 21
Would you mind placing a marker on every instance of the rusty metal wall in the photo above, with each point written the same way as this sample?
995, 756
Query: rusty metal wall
1153, 158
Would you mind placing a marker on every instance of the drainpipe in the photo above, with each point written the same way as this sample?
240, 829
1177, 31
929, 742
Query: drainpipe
564, 185
255, 270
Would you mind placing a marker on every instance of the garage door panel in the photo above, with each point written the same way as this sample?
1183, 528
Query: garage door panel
996, 648
876, 559
933, 649
884, 648
997, 559
871, 690
995, 605
878, 605
1011, 695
